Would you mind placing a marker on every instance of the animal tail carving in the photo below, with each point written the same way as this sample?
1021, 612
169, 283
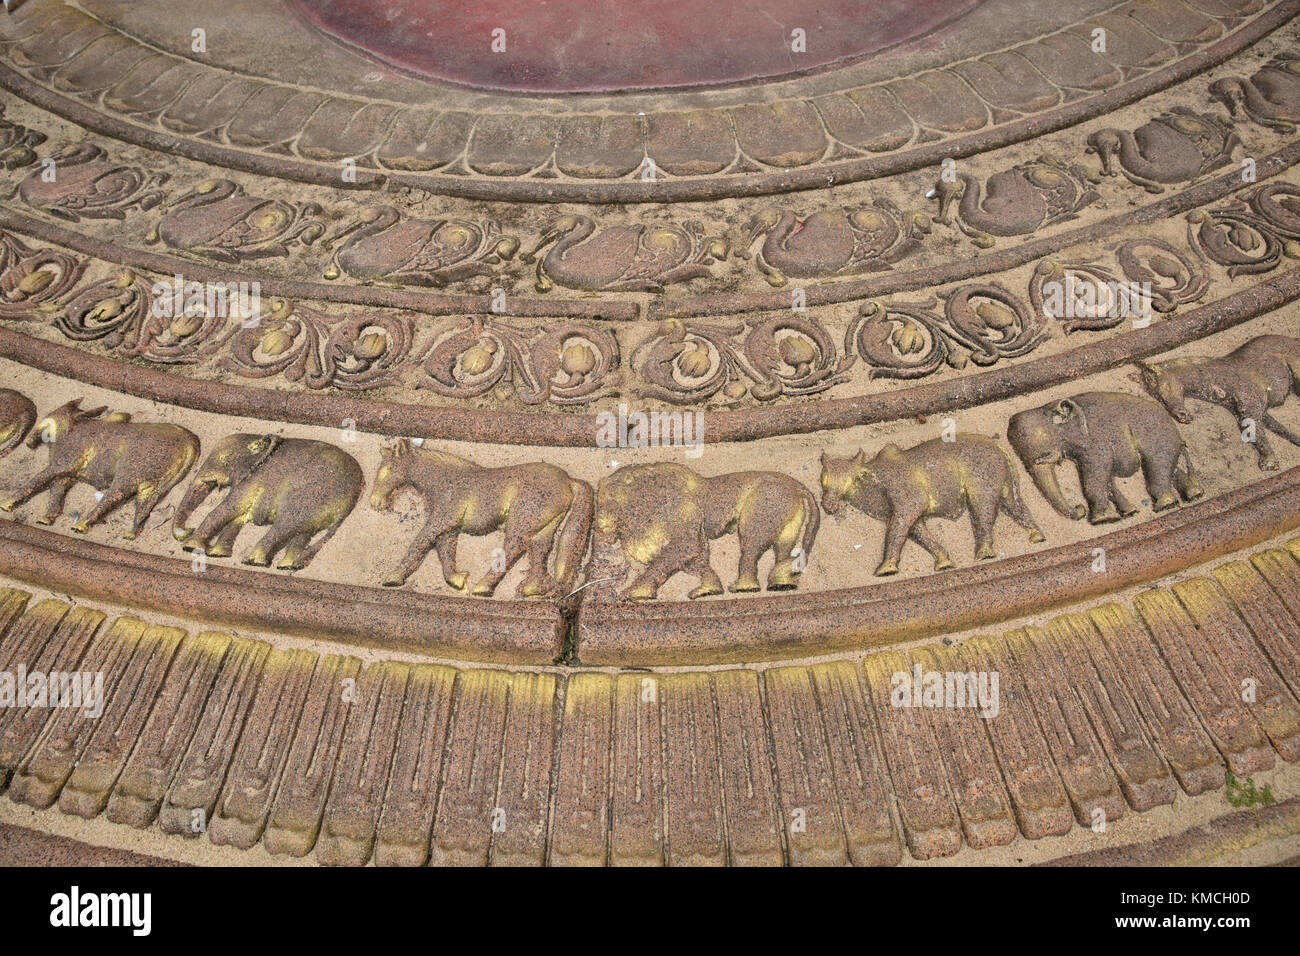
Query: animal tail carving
1011, 499
812, 520
15, 438
182, 468
571, 543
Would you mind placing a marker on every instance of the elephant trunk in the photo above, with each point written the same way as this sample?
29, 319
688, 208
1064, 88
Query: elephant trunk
198, 493
1044, 475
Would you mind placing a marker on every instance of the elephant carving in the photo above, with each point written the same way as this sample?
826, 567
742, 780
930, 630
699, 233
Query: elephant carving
1175, 147
1107, 435
936, 478
381, 245
1248, 382
835, 242
218, 220
1271, 97
539, 508
1016, 201
87, 184
622, 258
120, 458
17, 416
302, 489
664, 515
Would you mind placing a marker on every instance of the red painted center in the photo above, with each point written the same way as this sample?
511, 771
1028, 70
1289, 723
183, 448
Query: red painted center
557, 46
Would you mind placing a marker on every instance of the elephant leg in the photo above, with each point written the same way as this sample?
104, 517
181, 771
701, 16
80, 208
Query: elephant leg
923, 536
1099, 490
54, 505
313, 545
293, 552
514, 546
983, 517
645, 586
1185, 477
702, 568
897, 531
445, 545
1158, 470
752, 546
664, 565
222, 543
415, 554
114, 497
228, 512
38, 484
271, 543
1122, 504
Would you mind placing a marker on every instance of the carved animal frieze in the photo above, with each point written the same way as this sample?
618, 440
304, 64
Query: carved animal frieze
835, 242
17, 143
120, 458
1016, 201
937, 478
17, 416
566, 363
1271, 97
662, 517
784, 354
1248, 381
1176, 147
380, 244
541, 511
84, 183
302, 489
622, 258
1107, 435
218, 220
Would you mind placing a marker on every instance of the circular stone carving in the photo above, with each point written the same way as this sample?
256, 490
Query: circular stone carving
571, 46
